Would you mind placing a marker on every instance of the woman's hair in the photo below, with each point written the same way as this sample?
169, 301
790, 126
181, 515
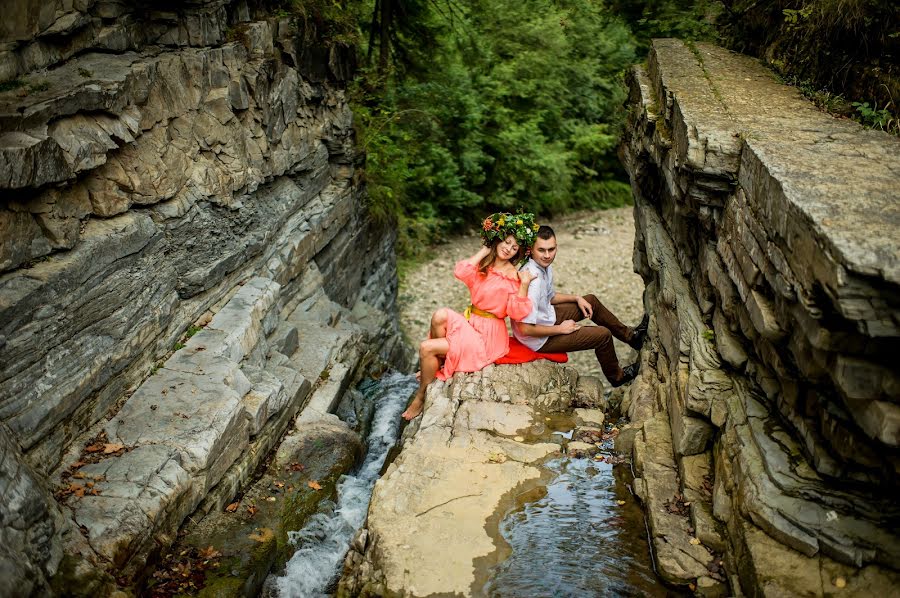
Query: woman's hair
488, 260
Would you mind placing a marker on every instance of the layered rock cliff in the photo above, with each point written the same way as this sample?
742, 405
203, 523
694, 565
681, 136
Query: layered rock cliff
185, 254
768, 395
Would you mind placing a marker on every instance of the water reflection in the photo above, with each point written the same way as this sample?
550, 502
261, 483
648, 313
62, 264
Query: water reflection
577, 540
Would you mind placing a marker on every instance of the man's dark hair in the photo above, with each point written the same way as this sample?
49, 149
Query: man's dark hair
545, 232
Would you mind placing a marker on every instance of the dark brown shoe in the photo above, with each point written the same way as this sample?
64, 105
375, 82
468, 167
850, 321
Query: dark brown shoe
639, 334
629, 373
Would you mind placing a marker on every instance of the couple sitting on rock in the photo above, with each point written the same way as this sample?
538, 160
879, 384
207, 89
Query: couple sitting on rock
543, 320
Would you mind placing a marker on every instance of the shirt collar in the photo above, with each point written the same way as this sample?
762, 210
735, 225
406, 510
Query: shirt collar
540, 267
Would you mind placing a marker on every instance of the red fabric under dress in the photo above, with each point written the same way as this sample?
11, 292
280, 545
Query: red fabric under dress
519, 353
479, 341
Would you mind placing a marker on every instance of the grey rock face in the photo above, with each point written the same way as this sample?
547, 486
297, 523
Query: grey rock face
30, 526
178, 208
767, 239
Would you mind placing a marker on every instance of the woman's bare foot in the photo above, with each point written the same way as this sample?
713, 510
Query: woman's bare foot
414, 409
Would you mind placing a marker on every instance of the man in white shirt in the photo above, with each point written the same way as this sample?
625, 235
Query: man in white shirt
552, 327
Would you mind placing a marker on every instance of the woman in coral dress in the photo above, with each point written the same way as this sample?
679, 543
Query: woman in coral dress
468, 342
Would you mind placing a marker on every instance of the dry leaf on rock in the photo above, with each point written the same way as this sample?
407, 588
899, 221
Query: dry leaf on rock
233, 507
209, 553
314, 485
113, 447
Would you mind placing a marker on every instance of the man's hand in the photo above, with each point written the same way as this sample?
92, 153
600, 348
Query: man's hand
525, 277
568, 327
585, 307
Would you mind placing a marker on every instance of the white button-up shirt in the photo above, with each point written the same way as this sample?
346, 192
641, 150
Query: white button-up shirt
542, 312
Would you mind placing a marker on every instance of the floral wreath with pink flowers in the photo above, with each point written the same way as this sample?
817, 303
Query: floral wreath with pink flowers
503, 224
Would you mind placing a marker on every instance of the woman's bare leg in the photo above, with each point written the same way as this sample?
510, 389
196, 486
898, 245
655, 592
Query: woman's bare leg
439, 324
438, 329
430, 354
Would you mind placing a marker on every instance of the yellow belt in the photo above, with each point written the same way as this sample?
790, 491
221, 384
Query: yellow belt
478, 312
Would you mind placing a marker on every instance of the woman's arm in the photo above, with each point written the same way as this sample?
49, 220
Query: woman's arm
482, 253
525, 278
467, 270
519, 304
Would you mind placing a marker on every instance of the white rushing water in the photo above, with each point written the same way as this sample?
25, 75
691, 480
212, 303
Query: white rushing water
324, 541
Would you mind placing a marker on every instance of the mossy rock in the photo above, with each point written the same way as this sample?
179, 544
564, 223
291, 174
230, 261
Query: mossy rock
252, 538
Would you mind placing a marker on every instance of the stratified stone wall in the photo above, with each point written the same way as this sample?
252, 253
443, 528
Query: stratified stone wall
161, 168
767, 237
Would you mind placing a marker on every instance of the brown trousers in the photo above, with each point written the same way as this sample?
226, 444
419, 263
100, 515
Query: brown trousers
599, 337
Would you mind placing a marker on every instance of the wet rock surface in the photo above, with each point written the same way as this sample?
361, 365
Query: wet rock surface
250, 536
766, 235
459, 461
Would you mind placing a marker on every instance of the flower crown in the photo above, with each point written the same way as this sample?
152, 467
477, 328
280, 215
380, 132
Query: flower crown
503, 224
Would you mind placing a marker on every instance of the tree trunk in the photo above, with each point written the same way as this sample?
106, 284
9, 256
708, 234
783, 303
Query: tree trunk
385, 42
372, 29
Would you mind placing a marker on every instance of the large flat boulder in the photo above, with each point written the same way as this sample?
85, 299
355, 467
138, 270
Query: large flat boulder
460, 463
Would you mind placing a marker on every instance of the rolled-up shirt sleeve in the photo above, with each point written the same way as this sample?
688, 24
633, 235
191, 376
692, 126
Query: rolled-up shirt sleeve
517, 307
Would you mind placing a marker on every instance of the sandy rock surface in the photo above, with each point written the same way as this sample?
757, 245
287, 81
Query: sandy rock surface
594, 257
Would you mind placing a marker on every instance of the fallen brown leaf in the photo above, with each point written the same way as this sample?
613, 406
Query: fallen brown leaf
112, 447
233, 507
209, 553
252, 510
314, 485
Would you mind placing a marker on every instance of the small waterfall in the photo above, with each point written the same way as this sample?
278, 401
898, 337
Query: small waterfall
324, 541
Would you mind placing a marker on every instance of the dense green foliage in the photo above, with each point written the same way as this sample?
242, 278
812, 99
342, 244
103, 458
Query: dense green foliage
465, 107
515, 103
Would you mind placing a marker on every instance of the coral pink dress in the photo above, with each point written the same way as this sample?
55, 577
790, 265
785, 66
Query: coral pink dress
479, 341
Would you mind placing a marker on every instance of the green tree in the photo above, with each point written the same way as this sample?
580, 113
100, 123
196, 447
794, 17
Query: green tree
510, 104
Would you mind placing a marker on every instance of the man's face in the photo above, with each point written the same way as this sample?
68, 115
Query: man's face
544, 251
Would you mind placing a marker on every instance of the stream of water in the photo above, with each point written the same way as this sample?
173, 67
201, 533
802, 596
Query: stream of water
324, 541
583, 536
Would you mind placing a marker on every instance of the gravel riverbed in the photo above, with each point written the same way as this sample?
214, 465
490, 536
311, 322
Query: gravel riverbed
594, 256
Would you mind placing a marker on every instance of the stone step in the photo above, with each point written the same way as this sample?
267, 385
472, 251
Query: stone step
679, 560
188, 428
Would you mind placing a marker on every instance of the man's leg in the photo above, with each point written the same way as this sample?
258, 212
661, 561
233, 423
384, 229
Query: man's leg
598, 338
604, 317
